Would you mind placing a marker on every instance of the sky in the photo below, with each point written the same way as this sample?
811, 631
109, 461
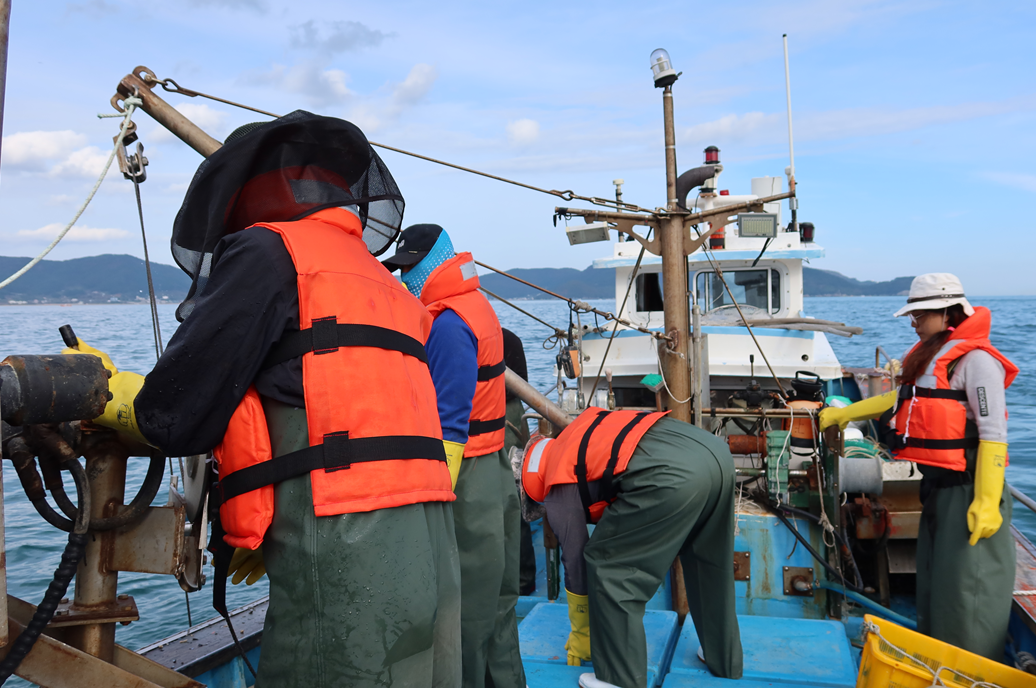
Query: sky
913, 121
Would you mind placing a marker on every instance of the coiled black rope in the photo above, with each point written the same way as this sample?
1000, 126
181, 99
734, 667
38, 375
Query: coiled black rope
66, 570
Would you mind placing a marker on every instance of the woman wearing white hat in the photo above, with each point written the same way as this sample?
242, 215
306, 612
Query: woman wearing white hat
950, 416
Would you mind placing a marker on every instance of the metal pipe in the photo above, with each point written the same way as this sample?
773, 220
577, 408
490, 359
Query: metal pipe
760, 472
1021, 497
531, 396
696, 369
166, 115
689, 219
5, 41
757, 413
787, 89
96, 584
676, 357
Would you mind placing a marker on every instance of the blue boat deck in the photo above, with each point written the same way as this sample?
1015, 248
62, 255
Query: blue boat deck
790, 646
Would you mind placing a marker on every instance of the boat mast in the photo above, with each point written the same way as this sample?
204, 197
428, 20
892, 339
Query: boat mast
675, 356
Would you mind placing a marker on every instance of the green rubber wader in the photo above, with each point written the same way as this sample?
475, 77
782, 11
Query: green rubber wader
487, 520
676, 497
964, 593
362, 599
516, 434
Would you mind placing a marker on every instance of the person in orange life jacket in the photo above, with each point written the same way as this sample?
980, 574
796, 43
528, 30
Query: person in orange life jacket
300, 362
949, 415
656, 488
466, 359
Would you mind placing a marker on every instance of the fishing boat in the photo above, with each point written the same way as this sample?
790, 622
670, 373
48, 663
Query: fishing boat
826, 526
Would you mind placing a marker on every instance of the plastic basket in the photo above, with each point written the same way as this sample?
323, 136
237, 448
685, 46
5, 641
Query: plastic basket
882, 665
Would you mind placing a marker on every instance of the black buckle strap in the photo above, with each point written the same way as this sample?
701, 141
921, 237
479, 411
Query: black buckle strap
608, 479
584, 443
327, 335
488, 372
337, 452
484, 427
909, 391
963, 443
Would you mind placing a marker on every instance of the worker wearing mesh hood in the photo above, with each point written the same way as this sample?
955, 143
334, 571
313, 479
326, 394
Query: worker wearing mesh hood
300, 357
466, 358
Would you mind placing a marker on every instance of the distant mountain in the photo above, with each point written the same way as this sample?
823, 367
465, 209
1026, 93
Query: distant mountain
575, 284
96, 279
600, 284
122, 278
830, 283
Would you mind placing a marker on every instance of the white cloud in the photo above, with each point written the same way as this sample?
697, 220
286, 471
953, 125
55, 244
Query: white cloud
86, 163
321, 86
337, 36
522, 132
32, 150
77, 233
370, 115
212, 121
1025, 182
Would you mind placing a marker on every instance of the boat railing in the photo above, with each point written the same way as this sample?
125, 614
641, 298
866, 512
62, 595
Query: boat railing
1023, 498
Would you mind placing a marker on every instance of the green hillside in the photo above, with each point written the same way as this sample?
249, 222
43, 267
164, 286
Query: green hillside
96, 279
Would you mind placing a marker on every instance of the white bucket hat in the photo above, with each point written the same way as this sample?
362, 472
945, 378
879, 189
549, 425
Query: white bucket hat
935, 291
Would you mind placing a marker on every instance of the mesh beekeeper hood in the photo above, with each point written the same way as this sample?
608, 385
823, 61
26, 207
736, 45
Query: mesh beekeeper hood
281, 171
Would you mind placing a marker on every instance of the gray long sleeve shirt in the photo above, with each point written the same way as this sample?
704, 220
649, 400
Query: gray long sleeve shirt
568, 521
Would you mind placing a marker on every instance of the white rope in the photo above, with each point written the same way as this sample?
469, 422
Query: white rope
665, 384
131, 104
1024, 593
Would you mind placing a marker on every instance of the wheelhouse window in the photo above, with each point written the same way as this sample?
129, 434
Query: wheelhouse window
755, 288
649, 292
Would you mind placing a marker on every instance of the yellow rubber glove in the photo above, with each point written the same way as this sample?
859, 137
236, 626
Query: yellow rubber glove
984, 517
454, 455
578, 644
868, 409
118, 413
247, 565
85, 348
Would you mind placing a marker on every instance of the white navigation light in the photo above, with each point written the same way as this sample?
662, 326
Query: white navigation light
662, 68
587, 234
757, 225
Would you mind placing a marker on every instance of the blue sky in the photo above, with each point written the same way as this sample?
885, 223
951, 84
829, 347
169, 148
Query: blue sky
913, 120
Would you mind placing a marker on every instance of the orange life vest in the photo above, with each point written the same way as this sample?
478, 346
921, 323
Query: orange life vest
454, 286
596, 446
374, 434
931, 418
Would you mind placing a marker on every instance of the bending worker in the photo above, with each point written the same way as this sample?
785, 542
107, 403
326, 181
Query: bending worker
657, 488
466, 358
950, 416
298, 357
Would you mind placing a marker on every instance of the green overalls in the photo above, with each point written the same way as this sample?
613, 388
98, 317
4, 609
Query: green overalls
361, 599
676, 497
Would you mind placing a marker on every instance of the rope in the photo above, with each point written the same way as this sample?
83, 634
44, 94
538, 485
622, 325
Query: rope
131, 103
567, 195
607, 349
579, 305
719, 273
524, 312
661, 374
156, 329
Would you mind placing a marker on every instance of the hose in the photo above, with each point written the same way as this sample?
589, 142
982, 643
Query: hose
842, 540
24, 461
62, 577
869, 604
809, 548
145, 495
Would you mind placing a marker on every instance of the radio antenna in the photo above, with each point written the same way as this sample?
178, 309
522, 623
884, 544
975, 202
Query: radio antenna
793, 203
787, 89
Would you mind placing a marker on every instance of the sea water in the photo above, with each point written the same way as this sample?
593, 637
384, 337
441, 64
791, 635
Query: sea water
125, 332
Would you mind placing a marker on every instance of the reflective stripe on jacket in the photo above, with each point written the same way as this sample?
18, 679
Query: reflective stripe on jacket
930, 417
596, 446
454, 286
374, 434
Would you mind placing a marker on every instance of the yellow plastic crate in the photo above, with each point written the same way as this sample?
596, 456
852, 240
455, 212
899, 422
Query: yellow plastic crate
883, 666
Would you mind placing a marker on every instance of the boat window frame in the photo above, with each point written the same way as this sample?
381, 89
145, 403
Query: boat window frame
772, 288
